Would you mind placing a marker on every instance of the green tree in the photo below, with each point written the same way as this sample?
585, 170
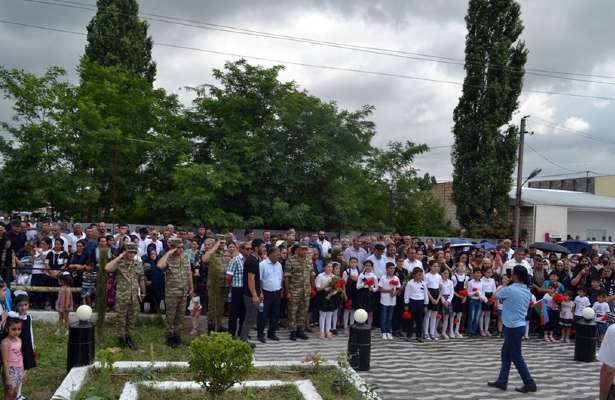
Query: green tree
35, 172
117, 37
485, 146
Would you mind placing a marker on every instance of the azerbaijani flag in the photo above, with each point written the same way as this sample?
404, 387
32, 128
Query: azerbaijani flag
541, 309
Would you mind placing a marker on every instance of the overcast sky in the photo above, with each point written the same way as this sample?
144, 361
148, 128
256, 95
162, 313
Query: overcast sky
563, 35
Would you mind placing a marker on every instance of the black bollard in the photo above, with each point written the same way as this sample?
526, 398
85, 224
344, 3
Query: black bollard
585, 341
359, 347
80, 344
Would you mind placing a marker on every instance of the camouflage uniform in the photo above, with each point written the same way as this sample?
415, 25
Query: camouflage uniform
128, 274
299, 272
216, 288
176, 290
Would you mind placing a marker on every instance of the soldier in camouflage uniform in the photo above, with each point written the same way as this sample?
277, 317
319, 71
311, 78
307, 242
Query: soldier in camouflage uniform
129, 276
178, 285
217, 260
298, 279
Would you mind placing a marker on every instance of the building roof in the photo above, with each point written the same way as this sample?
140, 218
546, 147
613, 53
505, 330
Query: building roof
564, 198
573, 175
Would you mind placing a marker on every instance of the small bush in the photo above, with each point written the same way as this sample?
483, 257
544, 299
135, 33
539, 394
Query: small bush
218, 362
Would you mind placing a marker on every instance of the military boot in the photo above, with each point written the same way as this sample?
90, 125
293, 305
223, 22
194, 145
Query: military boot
130, 343
301, 334
177, 340
293, 336
170, 340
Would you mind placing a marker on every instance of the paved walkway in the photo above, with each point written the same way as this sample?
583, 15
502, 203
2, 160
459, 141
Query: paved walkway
455, 369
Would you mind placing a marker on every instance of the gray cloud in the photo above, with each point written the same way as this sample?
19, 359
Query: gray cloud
569, 36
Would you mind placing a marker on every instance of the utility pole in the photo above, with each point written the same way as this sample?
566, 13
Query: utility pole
517, 221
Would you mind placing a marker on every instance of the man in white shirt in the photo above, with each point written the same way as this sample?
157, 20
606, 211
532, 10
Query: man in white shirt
271, 276
324, 243
76, 235
379, 260
606, 356
144, 241
508, 251
412, 262
519, 259
56, 233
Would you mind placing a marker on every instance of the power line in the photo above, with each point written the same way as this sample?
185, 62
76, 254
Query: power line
581, 133
547, 159
366, 49
318, 66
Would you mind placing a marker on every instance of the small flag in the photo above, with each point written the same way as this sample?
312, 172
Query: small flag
541, 309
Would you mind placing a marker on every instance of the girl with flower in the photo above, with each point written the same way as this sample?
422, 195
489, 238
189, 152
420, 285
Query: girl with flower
566, 315
389, 285
323, 303
350, 275
460, 297
398, 322
367, 287
488, 288
505, 281
447, 308
336, 293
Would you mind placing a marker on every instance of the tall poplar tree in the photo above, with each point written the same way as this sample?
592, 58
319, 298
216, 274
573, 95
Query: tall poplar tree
484, 152
117, 37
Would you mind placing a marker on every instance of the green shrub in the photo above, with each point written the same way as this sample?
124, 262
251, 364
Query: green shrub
218, 362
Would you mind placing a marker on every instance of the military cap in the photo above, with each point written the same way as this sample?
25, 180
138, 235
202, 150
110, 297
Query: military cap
176, 242
131, 247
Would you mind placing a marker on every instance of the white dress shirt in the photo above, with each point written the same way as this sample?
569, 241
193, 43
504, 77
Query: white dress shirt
410, 265
363, 277
388, 299
475, 289
322, 280
433, 281
271, 275
415, 291
380, 265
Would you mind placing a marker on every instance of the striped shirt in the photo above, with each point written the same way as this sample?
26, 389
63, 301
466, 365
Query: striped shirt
235, 269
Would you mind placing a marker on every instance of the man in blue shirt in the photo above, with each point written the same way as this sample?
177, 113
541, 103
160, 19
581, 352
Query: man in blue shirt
271, 276
515, 299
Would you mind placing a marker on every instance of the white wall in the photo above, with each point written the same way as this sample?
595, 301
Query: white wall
580, 221
552, 220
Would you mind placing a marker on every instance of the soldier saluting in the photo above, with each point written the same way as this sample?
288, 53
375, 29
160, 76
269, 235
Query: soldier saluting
178, 285
130, 290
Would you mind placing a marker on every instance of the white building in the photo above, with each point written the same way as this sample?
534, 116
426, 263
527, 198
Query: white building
559, 213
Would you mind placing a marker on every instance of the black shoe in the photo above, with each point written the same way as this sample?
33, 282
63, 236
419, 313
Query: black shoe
121, 342
301, 335
497, 384
334, 332
526, 389
419, 339
396, 334
273, 337
308, 329
171, 341
252, 345
130, 343
293, 336
177, 340
262, 339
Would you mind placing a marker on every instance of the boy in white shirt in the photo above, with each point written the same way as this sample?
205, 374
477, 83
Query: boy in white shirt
601, 309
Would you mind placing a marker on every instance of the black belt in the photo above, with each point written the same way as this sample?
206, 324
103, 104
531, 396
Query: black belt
272, 291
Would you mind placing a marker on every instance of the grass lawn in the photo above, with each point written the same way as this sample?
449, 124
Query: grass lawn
286, 392
42, 381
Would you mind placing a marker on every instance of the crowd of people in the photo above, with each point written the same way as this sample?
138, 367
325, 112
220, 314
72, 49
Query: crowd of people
410, 288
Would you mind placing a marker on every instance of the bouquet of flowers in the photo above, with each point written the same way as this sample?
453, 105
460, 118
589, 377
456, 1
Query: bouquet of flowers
406, 315
463, 292
336, 285
313, 293
394, 281
348, 304
558, 298
369, 281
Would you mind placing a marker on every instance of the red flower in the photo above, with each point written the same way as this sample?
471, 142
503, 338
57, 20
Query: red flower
406, 315
455, 321
313, 293
369, 282
558, 298
438, 316
340, 284
490, 300
475, 289
605, 317
348, 304
393, 282
463, 292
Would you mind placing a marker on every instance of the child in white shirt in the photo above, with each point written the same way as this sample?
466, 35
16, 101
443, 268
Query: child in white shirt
581, 302
389, 286
488, 300
448, 315
505, 281
433, 281
601, 309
